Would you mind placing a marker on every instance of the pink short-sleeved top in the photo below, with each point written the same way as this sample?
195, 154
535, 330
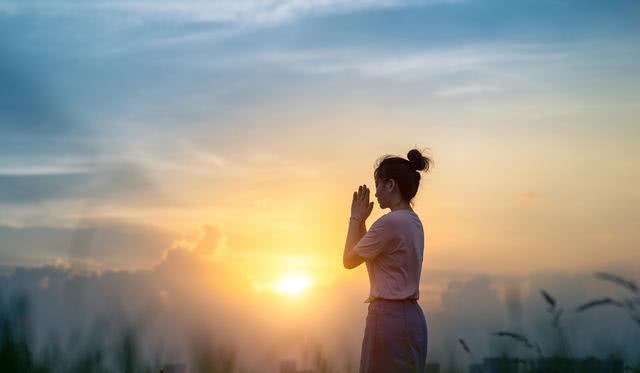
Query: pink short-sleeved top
393, 248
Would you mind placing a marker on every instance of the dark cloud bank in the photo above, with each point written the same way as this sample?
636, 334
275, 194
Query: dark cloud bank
185, 297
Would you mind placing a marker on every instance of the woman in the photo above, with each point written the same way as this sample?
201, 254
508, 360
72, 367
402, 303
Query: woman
395, 335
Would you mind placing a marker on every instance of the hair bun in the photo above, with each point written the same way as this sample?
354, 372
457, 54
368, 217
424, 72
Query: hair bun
417, 161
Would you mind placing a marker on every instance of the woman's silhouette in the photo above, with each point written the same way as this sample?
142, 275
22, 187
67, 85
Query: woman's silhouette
395, 336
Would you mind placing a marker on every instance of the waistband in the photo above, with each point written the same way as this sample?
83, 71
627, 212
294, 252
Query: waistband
384, 300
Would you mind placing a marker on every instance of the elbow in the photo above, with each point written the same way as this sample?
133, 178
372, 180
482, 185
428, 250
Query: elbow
351, 262
347, 263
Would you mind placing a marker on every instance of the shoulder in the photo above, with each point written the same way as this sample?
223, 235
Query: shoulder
383, 222
402, 215
397, 217
404, 219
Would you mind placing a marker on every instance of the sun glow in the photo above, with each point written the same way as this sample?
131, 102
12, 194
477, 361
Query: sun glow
292, 284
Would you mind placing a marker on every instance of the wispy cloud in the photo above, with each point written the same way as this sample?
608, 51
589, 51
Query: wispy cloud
413, 63
217, 20
468, 89
230, 11
394, 64
23, 166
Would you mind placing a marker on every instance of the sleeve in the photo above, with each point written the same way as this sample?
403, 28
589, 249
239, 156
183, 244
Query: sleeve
374, 241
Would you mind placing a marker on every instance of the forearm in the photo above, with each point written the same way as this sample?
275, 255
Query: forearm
356, 231
360, 211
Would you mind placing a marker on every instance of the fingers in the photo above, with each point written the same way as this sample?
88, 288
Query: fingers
360, 200
362, 195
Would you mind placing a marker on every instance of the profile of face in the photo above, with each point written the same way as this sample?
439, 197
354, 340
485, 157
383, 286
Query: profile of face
386, 192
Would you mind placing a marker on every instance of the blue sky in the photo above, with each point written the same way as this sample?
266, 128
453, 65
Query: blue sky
115, 110
212, 147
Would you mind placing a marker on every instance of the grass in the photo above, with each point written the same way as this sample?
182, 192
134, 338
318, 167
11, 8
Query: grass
561, 359
17, 353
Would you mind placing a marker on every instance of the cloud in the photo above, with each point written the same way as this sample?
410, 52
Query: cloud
474, 308
196, 20
228, 11
34, 166
207, 245
187, 292
28, 180
210, 241
36, 188
471, 89
411, 64
92, 245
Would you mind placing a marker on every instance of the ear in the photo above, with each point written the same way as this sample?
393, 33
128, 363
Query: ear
391, 184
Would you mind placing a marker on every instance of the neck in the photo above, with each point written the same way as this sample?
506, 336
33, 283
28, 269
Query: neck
400, 205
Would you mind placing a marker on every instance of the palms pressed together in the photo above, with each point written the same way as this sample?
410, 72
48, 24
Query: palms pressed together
360, 206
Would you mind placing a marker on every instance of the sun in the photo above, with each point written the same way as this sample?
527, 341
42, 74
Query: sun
292, 284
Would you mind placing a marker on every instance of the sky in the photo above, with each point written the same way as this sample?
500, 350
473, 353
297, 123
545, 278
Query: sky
147, 122
238, 130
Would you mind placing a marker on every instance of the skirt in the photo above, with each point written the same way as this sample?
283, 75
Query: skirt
395, 338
